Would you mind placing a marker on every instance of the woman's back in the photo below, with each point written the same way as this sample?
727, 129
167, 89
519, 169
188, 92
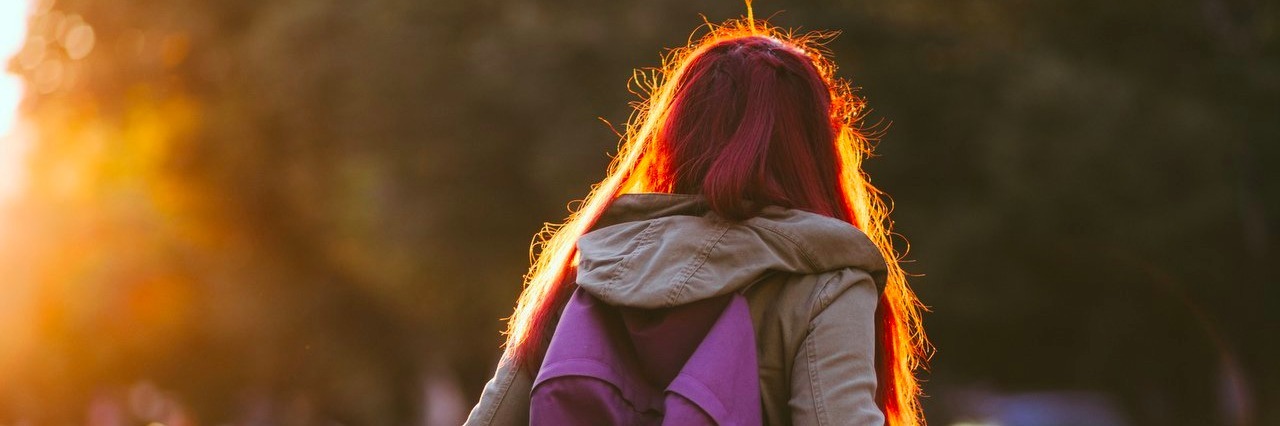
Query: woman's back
812, 284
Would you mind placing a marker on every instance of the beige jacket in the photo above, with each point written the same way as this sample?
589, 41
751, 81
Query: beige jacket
812, 283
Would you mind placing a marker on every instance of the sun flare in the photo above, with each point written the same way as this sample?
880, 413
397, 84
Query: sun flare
13, 29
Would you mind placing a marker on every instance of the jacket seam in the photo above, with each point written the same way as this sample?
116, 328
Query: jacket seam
503, 390
642, 239
804, 250
815, 379
824, 298
682, 280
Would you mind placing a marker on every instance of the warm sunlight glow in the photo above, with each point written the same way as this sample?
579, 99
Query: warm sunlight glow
637, 168
13, 29
10, 95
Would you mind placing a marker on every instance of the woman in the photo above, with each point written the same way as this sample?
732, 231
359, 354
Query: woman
751, 142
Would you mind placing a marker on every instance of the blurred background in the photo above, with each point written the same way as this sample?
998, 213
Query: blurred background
318, 211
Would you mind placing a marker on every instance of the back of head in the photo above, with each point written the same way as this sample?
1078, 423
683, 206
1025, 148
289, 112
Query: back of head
748, 123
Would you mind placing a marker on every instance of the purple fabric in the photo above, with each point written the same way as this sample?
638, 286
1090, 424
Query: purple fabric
664, 339
696, 366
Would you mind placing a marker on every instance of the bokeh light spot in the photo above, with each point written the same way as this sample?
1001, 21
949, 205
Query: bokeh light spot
78, 41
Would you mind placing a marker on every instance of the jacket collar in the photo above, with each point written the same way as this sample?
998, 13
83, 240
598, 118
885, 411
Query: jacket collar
652, 250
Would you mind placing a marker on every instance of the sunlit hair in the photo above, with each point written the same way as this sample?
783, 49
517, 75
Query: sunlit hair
746, 112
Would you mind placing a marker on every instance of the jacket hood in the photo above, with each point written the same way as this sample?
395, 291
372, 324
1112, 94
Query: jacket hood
654, 250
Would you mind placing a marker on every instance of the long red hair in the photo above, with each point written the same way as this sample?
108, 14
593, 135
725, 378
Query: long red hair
746, 115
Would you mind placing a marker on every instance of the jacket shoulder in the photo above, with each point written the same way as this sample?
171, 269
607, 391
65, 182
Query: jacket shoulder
784, 308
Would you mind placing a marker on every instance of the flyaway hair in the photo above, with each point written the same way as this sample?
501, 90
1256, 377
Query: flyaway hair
747, 114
